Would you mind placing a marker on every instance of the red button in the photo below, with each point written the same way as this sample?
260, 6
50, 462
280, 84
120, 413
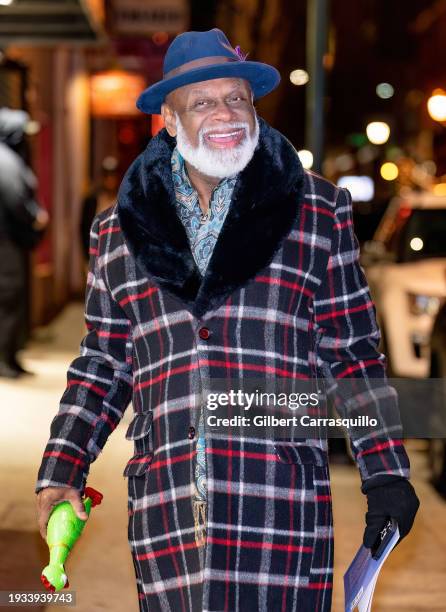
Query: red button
204, 333
191, 434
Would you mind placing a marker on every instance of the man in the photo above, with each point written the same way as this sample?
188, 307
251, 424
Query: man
22, 224
222, 257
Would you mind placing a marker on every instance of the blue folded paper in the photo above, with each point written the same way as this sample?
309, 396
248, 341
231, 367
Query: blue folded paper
361, 577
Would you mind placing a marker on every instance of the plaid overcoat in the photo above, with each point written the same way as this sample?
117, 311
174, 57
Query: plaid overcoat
283, 297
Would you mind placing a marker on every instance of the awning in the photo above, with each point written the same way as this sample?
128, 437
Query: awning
29, 22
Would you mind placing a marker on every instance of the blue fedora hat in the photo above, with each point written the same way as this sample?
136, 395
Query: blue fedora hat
201, 56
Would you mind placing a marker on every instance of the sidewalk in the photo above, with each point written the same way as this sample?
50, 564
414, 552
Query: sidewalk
100, 569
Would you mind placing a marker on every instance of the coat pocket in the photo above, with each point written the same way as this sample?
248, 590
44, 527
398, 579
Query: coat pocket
140, 431
138, 465
288, 452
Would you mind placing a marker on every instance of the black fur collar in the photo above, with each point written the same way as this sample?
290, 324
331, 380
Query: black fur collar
265, 202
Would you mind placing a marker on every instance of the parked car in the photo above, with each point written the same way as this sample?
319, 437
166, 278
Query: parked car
437, 446
405, 266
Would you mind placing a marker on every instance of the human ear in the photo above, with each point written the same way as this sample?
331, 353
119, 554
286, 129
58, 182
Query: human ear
169, 119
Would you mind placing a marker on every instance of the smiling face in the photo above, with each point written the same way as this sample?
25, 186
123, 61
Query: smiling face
215, 124
211, 105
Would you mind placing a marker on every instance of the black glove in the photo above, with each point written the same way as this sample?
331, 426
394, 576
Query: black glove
395, 499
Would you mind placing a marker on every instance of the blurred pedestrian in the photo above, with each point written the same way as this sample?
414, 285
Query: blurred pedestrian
101, 197
22, 222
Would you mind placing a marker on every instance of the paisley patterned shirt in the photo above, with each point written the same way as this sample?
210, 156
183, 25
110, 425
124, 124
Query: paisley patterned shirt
202, 235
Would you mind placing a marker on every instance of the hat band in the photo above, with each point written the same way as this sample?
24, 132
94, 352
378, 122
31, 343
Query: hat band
199, 63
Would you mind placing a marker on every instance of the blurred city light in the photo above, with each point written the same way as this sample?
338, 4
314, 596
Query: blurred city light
299, 77
389, 171
414, 98
357, 139
436, 105
394, 153
378, 132
127, 134
361, 188
439, 189
328, 61
367, 154
385, 91
416, 244
306, 158
160, 38
430, 167
110, 163
344, 162
32, 127
114, 93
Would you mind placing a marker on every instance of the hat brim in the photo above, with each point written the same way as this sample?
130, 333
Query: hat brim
263, 78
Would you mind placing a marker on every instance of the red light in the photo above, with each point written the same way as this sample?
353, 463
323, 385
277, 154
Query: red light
404, 212
160, 38
127, 135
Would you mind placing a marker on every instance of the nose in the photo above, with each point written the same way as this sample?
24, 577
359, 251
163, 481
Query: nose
223, 112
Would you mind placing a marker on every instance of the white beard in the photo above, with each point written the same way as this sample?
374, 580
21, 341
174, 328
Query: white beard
218, 163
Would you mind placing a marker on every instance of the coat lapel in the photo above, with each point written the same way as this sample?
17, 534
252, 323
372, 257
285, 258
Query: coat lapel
266, 201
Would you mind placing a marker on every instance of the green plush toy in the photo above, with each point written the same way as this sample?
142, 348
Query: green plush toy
63, 531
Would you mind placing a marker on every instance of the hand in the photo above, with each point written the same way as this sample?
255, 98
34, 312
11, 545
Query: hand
50, 496
397, 500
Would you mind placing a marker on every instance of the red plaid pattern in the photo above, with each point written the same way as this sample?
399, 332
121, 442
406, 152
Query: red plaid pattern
270, 534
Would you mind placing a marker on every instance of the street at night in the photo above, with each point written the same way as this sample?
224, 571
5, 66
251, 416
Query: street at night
193, 191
